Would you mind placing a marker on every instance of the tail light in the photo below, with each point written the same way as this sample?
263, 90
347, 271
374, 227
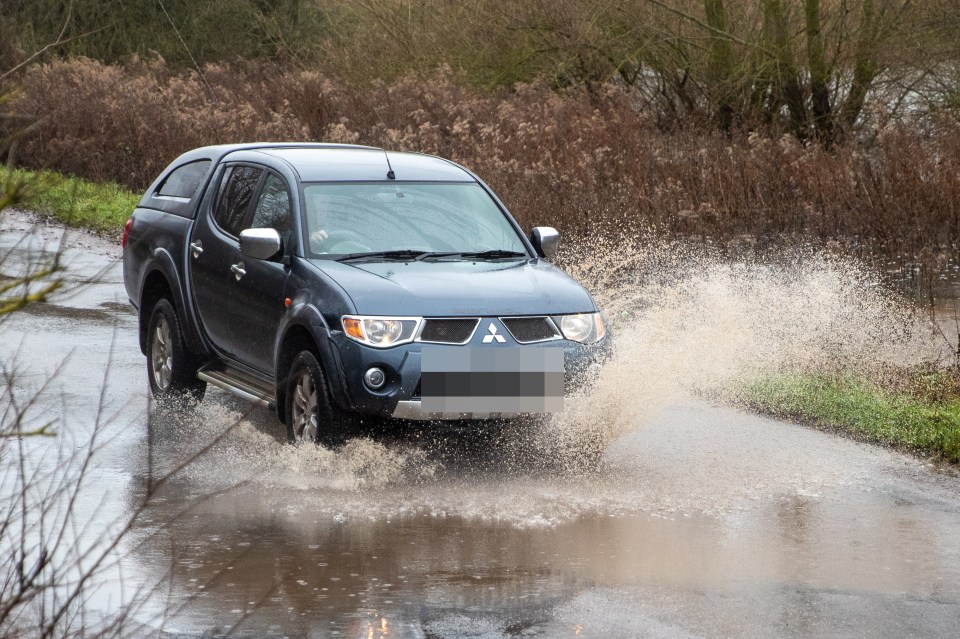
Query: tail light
126, 232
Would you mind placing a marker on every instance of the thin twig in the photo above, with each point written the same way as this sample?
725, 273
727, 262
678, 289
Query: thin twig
56, 43
203, 79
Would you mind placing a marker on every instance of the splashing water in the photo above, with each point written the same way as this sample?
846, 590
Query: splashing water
685, 322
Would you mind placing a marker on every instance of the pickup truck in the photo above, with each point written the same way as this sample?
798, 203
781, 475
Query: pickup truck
341, 283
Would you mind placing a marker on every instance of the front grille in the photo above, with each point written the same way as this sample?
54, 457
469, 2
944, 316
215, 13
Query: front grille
448, 331
531, 329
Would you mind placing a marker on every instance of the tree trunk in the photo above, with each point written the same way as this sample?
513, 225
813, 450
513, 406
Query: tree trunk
721, 61
788, 86
819, 73
865, 68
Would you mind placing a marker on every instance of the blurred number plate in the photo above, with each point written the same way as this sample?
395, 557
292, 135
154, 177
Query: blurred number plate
491, 380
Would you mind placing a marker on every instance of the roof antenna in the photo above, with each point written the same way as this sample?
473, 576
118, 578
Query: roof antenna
390, 174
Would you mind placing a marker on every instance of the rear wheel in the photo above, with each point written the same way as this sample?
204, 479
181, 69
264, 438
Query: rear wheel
311, 414
170, 367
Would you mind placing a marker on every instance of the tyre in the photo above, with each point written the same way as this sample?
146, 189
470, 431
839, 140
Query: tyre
311, 414
171, 368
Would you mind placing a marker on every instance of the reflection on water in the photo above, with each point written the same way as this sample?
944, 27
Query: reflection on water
693, 511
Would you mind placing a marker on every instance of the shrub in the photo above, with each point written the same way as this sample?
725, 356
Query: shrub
581, 159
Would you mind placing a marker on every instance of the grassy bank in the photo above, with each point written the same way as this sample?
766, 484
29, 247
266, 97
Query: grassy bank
74, 201
921, 413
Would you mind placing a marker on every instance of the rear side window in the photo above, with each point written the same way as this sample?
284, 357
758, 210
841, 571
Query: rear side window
239, 186
184, 180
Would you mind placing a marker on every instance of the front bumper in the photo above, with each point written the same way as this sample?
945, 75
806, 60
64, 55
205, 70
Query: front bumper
412, 409
401, 397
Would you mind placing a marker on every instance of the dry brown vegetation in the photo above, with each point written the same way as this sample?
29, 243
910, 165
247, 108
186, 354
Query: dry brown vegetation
577, 158
824, 119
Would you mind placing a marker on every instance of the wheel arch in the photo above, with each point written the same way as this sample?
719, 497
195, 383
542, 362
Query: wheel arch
297, 338
160, 280
155, 287
305, 329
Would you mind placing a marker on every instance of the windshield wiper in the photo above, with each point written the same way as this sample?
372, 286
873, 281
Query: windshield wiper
416, 256
493, 254
402, 254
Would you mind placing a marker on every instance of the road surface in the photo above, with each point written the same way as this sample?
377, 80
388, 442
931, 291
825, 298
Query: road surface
699, 521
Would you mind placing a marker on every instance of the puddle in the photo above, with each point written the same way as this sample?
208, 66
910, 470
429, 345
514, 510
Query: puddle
641, 511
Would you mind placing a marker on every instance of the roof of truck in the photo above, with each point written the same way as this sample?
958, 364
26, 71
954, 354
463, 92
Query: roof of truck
323, 162
312, 162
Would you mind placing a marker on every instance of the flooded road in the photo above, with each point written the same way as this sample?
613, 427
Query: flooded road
697, 520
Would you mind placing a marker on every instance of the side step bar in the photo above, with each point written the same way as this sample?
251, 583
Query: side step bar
239, 384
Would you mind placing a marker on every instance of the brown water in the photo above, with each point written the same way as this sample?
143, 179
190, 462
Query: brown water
705, 521
642, 511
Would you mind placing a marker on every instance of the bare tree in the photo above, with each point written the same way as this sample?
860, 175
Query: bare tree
810, 65
55, 554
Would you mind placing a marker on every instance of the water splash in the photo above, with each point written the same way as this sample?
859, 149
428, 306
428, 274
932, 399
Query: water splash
686, 322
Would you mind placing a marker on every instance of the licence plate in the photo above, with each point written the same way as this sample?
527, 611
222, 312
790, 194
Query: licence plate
459, 379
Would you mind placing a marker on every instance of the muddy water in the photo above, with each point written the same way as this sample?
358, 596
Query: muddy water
705, 522
643, 511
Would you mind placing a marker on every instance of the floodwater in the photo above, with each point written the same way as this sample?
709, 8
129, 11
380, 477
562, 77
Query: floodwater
646, 510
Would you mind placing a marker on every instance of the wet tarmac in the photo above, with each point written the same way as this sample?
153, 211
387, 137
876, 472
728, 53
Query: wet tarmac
699, 520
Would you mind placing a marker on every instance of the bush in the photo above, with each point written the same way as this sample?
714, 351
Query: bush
579, 159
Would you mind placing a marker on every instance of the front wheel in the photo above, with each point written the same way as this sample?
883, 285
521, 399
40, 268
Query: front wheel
170, 367
311, 413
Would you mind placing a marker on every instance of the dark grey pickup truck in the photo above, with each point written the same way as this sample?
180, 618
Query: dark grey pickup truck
332, 282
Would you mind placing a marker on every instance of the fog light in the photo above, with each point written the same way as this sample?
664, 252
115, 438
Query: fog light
374, 378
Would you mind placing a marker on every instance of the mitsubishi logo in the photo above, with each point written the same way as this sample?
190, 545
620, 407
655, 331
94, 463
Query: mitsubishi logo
492, 329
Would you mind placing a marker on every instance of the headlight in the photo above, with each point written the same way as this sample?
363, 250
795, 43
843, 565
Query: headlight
586, 328
380, 332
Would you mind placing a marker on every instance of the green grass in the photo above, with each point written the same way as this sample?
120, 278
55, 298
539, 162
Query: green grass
74, 201
918, 421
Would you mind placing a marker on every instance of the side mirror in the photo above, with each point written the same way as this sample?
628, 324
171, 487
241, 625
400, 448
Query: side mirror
545, 240
260, 244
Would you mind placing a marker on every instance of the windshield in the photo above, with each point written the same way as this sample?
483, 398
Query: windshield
351, 218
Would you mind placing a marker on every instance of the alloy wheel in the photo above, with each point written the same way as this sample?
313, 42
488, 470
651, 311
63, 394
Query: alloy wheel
304, 408
161, 355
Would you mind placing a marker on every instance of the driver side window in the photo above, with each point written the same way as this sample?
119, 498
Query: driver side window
240, 183
273, 208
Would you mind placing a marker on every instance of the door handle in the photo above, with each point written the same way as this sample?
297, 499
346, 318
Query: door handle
238, 270
196, 248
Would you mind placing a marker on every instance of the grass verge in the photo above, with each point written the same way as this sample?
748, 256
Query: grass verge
74, 201
908, 417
